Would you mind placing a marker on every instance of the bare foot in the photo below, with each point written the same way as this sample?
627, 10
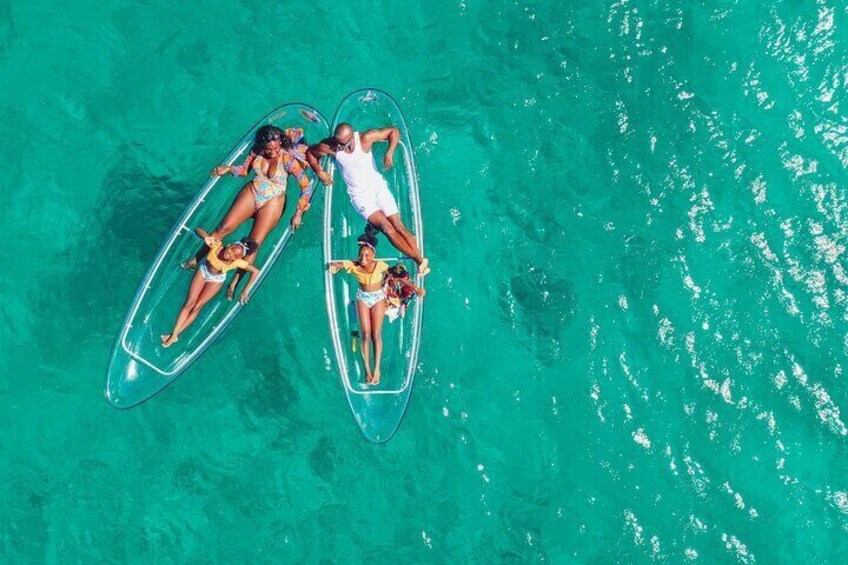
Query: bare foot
168, 340
369, 378
424, 267
189, 265
376, 379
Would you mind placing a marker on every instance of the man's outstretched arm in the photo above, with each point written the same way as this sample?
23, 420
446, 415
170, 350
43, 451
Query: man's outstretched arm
313, 157
390, 134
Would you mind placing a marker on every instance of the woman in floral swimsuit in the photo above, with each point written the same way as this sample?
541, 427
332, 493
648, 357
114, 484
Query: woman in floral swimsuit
275, 155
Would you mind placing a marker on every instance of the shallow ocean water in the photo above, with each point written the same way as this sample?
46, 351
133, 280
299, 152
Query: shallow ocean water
636, 328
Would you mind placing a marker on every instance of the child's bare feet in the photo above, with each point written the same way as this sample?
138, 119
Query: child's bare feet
424, 267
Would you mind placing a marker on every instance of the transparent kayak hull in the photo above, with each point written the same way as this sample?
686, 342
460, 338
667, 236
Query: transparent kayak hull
377, 409
139, 366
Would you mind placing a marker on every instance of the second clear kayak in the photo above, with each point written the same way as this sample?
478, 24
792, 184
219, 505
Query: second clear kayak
378, 409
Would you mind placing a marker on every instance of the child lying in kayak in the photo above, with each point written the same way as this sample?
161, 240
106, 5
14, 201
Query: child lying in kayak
209, 279
399, 292
370, 299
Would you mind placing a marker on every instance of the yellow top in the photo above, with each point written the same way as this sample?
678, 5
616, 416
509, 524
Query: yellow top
365, 278
221, 266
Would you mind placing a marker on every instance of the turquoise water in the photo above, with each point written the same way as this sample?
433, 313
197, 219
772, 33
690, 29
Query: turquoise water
636, 327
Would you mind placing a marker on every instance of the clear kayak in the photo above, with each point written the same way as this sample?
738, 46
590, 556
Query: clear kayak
378, 409
140, 367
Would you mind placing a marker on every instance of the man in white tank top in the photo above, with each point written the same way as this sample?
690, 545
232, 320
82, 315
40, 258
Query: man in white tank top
368, 190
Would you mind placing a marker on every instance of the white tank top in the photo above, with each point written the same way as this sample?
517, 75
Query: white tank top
358, 168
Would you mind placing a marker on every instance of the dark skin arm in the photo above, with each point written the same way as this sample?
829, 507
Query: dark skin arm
303, 201
245, 294
226, 169
209, 240
313, 156
416, 289
390, 134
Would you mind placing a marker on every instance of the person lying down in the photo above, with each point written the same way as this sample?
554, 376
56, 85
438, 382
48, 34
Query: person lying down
209, 279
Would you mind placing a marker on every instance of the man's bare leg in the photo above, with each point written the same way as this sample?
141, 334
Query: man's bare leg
397, 223
382, 223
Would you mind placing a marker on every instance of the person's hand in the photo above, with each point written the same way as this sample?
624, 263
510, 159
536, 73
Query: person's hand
210, 241
219, 172
335, 268
244, 297
388, 161
303, 204
325, 178
296, 220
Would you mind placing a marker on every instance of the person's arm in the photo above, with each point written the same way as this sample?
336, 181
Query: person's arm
299, 173
336, 266
237, 170
313, 157
390, 134
416, 289
245, 294
208, 239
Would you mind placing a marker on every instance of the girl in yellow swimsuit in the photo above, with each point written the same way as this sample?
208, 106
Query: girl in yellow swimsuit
209, 278
370, 299
275, 155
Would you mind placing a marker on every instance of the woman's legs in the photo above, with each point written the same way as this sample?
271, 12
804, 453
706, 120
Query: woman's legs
378, 312
209, 290
194, 290
243, 207
364, 314
267, 218
264, 220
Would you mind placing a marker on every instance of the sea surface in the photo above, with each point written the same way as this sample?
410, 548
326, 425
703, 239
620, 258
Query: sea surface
636, 328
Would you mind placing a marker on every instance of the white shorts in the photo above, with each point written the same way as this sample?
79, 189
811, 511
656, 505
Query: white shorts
375, 198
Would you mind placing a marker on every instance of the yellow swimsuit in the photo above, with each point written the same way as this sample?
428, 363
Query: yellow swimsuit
369, 298
365, 278
221, 266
